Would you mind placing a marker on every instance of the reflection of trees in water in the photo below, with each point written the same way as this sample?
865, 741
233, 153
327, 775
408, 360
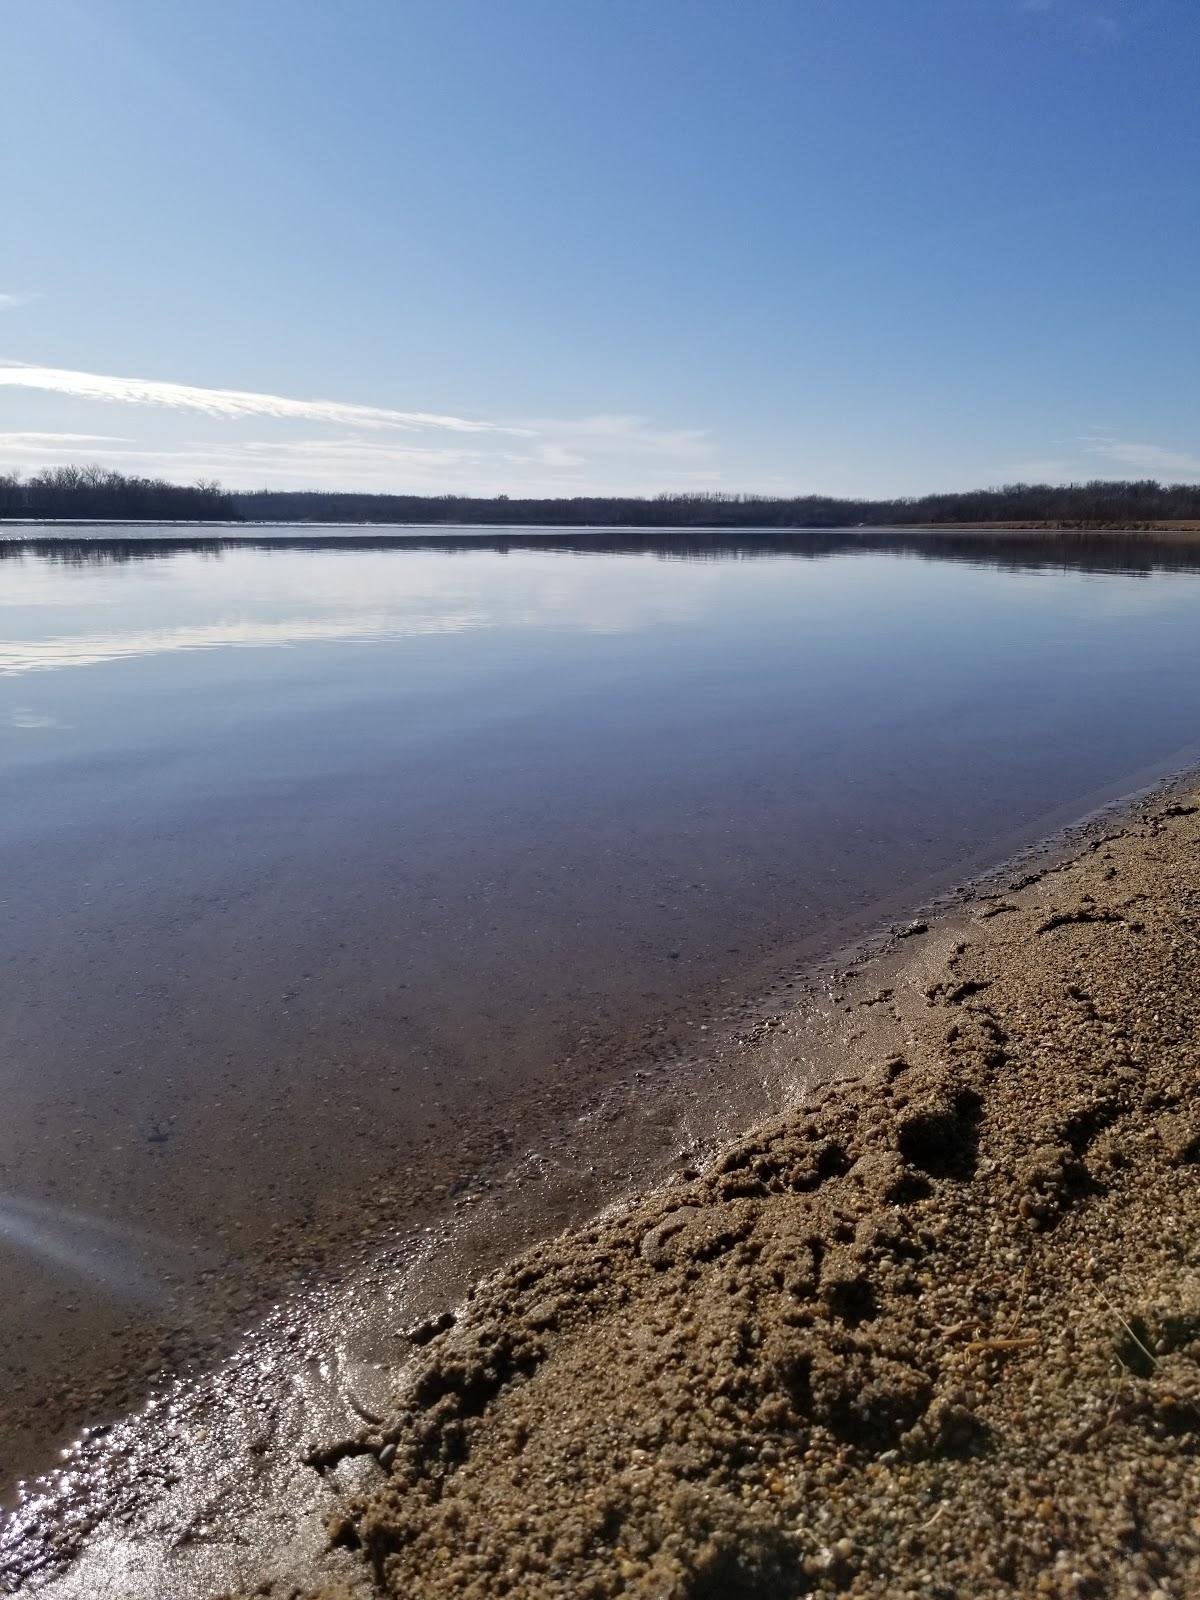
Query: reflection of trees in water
1035, 550
100, 551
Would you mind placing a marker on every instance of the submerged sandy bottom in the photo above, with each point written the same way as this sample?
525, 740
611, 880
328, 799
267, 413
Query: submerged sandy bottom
933, 1333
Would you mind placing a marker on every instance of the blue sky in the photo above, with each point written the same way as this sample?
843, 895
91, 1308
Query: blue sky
565, 246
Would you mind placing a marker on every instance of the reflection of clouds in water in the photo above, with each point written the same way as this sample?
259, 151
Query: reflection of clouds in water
519, 589
85, 650
273, 601
23, 717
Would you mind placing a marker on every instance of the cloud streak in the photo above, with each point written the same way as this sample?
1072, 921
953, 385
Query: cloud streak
10, 301
1100, 455
231, 403
14, 443
1096, 21
624, 435
1154, 460
251, 439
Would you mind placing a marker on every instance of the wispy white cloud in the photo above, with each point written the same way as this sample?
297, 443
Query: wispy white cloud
230, 402
1096, 21
1102, 455
259, 439
371, 463
1045, 469
624, 434
1154, 460
10, 300
21, 444
1106, 25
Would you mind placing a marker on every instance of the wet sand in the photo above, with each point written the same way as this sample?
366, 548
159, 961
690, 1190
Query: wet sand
936, 1322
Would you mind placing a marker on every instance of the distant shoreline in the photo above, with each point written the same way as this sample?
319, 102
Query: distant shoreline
246, 527
87, 492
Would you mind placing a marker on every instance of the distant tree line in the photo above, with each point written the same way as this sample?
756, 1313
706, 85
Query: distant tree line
1090, 504
86, 492
96, 492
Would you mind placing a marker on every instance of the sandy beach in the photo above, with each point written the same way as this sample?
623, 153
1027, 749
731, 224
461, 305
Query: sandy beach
929, 1327
935, 1334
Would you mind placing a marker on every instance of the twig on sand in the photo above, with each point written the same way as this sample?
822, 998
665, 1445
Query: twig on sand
1016, 1321
1025, 1341
1149, 1354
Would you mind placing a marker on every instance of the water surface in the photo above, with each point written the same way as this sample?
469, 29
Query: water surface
316, 850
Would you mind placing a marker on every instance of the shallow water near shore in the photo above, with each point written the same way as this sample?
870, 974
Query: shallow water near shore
332, 866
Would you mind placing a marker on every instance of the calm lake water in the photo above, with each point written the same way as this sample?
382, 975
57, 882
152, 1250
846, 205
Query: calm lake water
308, 845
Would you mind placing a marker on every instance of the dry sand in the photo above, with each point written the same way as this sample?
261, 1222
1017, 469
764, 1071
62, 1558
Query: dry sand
935, 1335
